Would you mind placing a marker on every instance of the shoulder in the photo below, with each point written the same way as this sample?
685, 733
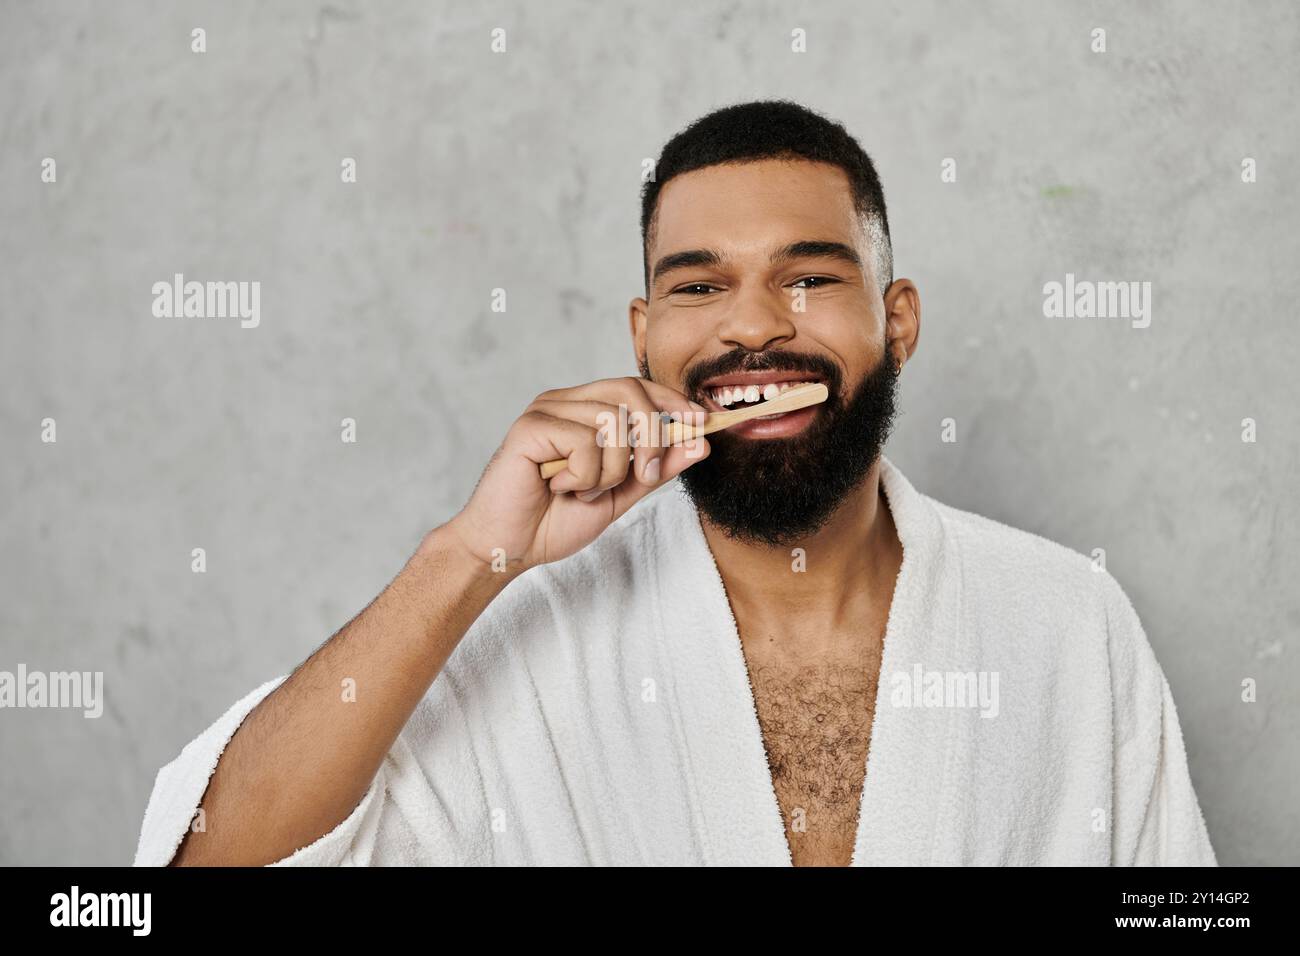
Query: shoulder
1012, 560
1067, 611
1014, 574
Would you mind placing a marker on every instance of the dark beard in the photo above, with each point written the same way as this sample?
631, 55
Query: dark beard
782, 490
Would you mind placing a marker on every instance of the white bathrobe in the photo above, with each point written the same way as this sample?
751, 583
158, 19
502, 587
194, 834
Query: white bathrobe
599, 712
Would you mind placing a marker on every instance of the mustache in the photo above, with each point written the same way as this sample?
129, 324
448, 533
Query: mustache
741, 360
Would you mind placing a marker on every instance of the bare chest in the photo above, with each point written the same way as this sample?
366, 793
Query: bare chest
816, 719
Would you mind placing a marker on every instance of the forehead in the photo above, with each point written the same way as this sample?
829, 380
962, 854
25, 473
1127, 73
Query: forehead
752, 207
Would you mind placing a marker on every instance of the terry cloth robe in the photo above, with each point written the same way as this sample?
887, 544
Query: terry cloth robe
599, 712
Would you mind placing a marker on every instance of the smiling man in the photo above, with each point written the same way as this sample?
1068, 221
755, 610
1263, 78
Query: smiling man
789, 655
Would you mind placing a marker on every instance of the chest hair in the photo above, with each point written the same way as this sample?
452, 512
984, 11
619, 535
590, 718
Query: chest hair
816, 720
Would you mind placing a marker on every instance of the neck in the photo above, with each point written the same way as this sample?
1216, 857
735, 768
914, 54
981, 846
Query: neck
850, 566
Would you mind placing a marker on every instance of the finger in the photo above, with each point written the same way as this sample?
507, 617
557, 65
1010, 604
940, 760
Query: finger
614, 464
645, 435
612, 436
633, 424
541, 437
658, 403
680, 457
582, 469
624, 389
675, 460
642, 401
670, 400
673, 405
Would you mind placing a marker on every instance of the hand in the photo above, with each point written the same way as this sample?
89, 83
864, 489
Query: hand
516, 520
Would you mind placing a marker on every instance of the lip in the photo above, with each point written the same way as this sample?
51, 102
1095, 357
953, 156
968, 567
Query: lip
791, 423
758, 378
783, 426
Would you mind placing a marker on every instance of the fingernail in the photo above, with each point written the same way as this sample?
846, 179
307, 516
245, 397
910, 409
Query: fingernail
591, 495
699, 408
652, 469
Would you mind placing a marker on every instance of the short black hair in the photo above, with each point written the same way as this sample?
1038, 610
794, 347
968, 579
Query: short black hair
772, 129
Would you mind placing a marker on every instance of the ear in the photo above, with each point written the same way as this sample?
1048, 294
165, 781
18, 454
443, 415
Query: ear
902, 319
637, 317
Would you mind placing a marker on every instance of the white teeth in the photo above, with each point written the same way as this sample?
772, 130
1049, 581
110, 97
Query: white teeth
730, 395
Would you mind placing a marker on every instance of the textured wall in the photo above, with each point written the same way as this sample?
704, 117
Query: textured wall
521, 170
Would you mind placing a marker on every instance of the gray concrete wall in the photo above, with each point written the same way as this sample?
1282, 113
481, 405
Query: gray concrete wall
521, 170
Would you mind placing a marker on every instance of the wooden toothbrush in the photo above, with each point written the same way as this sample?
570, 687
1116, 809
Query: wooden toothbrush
676, 432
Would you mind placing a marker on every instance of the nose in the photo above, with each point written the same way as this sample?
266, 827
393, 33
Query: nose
758, 320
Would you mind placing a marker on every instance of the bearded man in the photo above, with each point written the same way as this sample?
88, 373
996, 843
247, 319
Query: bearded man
784, 655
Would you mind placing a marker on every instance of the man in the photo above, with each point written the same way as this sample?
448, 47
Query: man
789, 656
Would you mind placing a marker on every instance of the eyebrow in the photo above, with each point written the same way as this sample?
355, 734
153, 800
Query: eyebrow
817, 249
804, 249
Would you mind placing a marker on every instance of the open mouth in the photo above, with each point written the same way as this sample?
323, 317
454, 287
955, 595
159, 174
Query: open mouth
746, 390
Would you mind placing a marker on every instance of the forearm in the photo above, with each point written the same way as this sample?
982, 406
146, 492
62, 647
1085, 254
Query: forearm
303, 759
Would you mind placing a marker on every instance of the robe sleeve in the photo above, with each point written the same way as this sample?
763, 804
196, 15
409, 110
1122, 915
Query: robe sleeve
179, 787
1157, 819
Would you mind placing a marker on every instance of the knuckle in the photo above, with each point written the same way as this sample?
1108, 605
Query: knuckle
586, 470
614, 467
629, 390
532, 419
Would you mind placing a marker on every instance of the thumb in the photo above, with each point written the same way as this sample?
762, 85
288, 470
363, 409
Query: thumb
680, 457
675, 460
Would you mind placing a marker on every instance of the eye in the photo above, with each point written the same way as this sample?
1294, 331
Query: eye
695, 288
820, 280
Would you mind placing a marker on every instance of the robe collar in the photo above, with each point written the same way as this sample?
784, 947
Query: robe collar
735, 802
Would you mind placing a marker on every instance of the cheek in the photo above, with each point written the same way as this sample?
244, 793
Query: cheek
670, 347
848, 311
854, 352
853, 338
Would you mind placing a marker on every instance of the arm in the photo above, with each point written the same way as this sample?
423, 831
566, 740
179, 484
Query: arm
1173, 830
1158, 819
304, 757
302, 761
